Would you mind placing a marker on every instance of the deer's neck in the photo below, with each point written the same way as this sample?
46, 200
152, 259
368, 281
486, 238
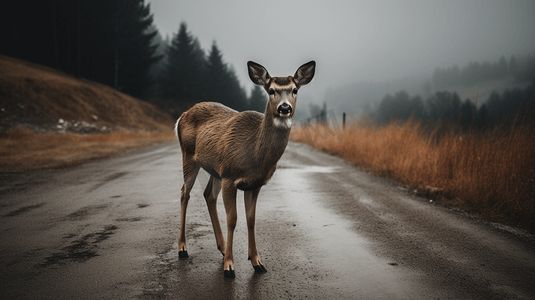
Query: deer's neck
272, 141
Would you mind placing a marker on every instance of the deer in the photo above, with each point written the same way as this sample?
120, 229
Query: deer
239, 150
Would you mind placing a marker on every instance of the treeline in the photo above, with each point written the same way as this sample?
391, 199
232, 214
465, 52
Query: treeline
115, 42
191, 76
475, 72
109, 41
511, 106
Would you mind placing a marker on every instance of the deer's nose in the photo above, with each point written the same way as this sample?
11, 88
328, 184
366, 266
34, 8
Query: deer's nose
284, 109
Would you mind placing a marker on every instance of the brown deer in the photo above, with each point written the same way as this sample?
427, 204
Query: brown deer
240, 150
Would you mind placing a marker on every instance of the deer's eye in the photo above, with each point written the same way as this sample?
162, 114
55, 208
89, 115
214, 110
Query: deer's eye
294, 91
271, 91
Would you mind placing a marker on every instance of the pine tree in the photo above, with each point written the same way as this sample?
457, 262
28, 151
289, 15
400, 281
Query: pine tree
235, 92
106, 41
182, 81
222, 84
216, 72
258, 100
157, 69
136, 51
502, 67
513, 66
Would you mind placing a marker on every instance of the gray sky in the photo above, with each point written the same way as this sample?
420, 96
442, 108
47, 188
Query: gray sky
353, 41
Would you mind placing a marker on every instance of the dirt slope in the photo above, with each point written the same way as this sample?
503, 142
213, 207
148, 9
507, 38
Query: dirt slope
95, 121
45, 100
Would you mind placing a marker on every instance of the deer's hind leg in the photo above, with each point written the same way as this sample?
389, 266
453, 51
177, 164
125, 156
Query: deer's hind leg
210, 194
190, 169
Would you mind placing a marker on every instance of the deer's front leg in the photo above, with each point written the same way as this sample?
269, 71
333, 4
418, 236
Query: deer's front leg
250, 210
229, 199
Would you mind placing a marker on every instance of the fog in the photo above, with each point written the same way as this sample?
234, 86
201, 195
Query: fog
355, 43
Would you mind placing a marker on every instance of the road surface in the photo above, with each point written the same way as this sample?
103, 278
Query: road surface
325, 230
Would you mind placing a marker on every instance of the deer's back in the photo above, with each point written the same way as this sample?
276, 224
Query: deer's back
219, 138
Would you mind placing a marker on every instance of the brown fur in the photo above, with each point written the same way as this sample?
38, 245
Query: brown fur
233, 145
240, 150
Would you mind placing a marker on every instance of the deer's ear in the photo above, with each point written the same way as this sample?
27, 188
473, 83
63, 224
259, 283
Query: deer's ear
305, 73
258, 74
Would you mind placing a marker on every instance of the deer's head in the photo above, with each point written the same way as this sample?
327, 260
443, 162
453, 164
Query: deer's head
282, 91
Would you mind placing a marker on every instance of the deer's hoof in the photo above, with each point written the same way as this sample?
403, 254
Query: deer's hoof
260, 269
230, 274
183, 254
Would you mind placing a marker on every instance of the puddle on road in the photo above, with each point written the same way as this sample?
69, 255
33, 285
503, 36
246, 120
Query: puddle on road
341, 252
309, 169
79, 250
24, 209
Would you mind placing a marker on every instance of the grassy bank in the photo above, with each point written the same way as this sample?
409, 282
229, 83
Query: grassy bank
41, 98
49, 119
24, 150
491, 174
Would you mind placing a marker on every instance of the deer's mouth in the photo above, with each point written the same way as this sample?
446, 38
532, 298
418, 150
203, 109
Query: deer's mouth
283, 122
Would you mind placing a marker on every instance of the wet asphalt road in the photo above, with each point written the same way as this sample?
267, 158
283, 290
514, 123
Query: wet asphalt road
325, 230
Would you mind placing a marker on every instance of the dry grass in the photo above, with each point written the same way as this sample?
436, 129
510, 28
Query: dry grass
32, 92
491, 174
24, 150
34, 96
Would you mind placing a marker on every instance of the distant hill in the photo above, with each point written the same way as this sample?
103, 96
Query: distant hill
47, 100
482, 90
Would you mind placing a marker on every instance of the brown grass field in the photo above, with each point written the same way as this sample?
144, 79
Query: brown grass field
491, 174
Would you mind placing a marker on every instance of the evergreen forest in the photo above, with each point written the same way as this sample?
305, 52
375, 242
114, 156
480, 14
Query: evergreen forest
115, 42
512, 106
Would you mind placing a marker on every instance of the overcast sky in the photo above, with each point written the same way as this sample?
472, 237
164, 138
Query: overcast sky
353, 41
